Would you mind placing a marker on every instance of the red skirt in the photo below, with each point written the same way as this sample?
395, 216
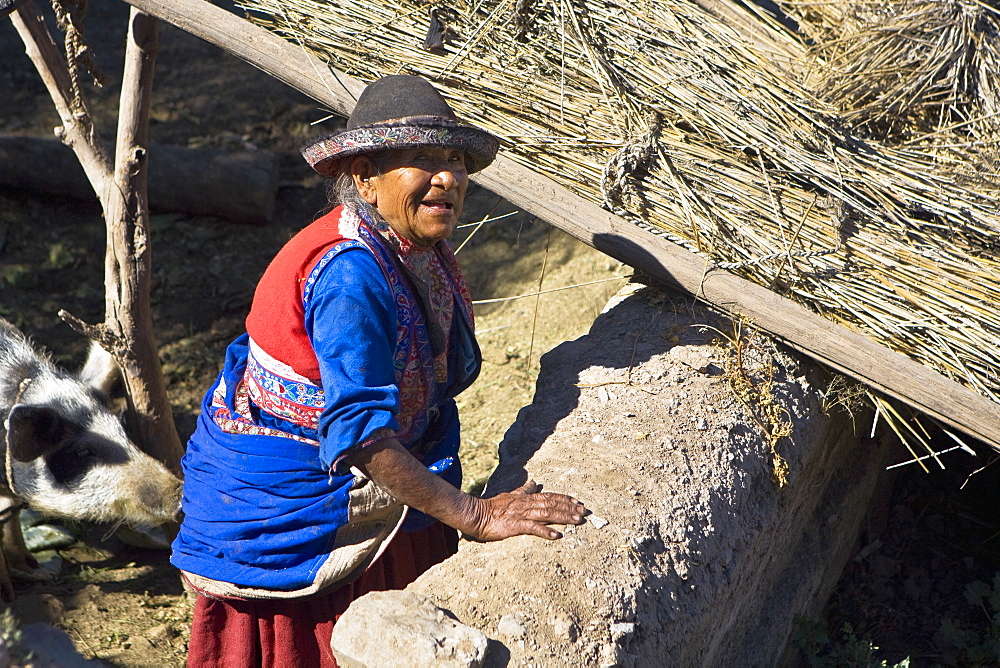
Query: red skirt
295, 633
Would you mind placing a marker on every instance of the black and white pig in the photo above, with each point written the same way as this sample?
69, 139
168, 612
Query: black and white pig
65, 454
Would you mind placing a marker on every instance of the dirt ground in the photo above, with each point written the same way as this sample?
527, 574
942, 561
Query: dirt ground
124, 605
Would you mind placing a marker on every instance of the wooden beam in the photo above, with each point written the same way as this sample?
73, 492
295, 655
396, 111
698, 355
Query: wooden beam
834, 345
283, 60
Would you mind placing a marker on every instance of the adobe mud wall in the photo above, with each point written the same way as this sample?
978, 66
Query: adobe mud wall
694, 555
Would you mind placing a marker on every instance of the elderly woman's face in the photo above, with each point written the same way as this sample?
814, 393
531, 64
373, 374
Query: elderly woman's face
420, 194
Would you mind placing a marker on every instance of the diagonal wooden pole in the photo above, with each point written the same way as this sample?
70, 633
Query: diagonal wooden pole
127, 332
853, 354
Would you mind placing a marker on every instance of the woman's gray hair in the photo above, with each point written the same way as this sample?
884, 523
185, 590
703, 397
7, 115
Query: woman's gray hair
343, 191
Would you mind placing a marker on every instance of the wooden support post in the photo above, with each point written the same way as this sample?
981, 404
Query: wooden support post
127, 270
831, 344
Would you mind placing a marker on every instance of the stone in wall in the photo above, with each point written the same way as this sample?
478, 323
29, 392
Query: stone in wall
412, 632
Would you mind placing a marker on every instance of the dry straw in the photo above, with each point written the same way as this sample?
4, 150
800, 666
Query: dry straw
900, 70
746, 146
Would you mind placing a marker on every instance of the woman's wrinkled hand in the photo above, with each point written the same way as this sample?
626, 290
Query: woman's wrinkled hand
525, 511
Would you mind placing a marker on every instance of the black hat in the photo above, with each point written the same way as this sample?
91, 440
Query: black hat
401, 111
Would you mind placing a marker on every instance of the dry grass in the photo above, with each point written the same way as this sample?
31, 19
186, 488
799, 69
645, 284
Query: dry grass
901, 70
752, 150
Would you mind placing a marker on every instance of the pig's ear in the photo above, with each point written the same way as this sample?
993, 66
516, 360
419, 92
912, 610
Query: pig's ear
34, 431
100, 371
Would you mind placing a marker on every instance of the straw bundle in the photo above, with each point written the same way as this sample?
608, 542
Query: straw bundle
901, 69
677, 121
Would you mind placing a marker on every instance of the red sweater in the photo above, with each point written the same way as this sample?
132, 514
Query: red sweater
277, 316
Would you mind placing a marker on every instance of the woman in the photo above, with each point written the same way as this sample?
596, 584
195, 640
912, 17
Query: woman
325, 462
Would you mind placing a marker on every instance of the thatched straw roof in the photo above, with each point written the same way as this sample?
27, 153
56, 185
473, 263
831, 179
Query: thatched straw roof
746, 146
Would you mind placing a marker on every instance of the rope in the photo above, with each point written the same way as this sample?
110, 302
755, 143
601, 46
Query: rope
69, 16
618, 182
618, 179
6, 485
775, 256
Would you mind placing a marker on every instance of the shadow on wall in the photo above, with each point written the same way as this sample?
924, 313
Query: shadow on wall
518, 445
717, 539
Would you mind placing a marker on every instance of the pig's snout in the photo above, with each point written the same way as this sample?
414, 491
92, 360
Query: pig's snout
162, 501
152, 499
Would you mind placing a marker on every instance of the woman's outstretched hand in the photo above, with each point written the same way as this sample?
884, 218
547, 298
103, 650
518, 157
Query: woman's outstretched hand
526, 510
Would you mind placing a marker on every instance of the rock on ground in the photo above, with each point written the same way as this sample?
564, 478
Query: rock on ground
411, 632
694, 555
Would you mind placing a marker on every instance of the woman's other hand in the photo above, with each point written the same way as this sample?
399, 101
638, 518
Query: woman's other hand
526, 510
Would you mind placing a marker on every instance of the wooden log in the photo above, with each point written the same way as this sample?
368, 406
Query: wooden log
834, 345
239, 187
